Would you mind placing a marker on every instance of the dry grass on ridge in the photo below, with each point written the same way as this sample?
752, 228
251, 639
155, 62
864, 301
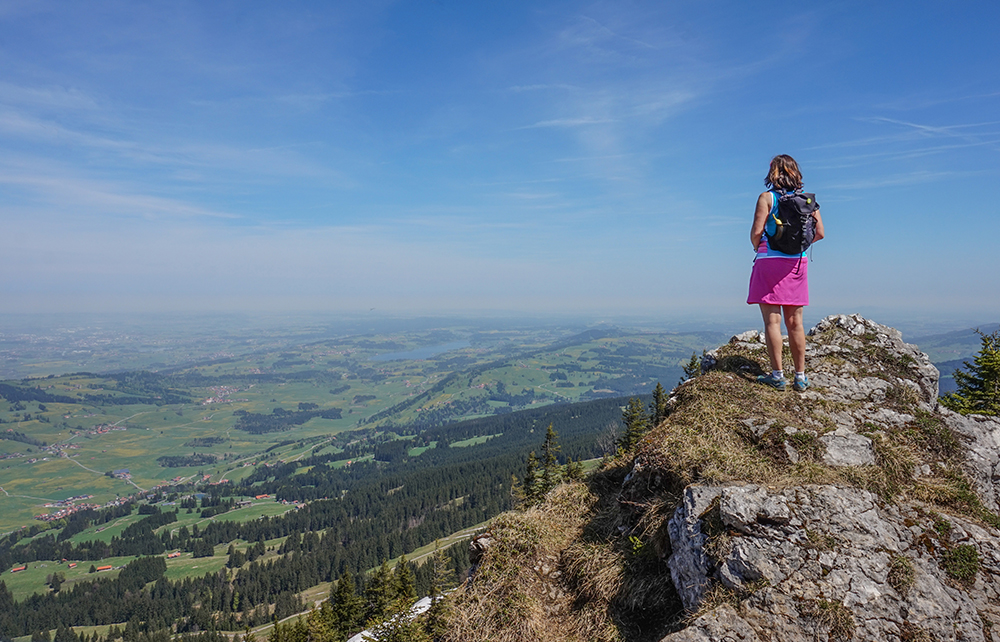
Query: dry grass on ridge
509, 601
705, 440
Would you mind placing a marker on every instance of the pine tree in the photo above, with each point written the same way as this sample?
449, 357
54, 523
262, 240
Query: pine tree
379, 593
658, 407
437, 615
979, 388
65, 634
56, 581
692, 369
347, 608
636, 425
443, 576
321, 626
530, 485
550, 463
406, 587
574, 470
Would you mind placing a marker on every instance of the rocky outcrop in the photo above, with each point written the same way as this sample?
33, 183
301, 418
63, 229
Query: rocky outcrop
981, 436
819, 561
798, 553
860, 509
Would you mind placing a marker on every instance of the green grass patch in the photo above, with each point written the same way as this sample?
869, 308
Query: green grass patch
32, 580
962, 562
474, 441
186, 566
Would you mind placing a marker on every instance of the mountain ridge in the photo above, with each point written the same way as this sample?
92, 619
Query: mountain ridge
860, 509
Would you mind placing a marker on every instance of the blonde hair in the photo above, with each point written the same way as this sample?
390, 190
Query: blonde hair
784, 174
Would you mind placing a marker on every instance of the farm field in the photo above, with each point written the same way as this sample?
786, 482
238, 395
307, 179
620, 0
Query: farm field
34, 578
99, 437
352, 493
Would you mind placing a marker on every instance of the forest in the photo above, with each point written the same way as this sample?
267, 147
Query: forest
355, 518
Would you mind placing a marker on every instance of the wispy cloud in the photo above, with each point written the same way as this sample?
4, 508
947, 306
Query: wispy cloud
569, 122
899, 154
69, 195
601, 40
956, 131
47, 96
911, 103
895, 180
541, 87
213, 160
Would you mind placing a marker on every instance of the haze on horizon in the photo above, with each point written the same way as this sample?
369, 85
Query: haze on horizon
520, 158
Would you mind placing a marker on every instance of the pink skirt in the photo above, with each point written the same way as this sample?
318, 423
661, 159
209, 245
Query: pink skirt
780, 281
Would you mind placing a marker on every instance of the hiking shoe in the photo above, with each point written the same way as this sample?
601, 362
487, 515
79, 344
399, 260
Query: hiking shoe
778, 383
800, 385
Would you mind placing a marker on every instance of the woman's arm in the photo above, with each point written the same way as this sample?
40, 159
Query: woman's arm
819, 226
760, 219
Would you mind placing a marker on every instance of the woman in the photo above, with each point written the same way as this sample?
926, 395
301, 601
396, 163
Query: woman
779, 282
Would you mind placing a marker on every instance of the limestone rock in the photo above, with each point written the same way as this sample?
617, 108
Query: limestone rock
982, 437
801, 561
846, 448
719, 625
820, 545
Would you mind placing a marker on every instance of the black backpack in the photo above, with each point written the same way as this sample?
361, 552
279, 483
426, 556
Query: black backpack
795, 226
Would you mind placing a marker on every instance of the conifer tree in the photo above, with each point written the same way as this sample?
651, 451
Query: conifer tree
658, 407
405, 584
321, 626
636, 424
437, 615
530, 484
692, 369
379, 593
442, 576
65, 634
298, 632
979, 388
278, 633
347, 608
574, 470
550, 463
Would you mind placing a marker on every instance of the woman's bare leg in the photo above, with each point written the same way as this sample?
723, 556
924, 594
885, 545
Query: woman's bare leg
772, 332
796, 335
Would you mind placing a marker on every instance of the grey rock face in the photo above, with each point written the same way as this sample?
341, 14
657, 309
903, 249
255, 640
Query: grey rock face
982, 437
719, 625
860, 334
797, 551
846, 448
690, 568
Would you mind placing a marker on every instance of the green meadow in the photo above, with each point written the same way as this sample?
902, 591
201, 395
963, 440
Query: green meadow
104, 423
34, 578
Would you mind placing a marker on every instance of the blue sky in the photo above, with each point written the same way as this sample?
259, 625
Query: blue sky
422, 157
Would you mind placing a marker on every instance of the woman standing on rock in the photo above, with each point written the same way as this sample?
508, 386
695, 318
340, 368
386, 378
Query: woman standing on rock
779, 282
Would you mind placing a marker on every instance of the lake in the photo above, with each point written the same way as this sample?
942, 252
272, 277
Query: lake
422, 353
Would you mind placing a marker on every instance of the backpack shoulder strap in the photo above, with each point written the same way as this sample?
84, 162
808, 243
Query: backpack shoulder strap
774, 206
